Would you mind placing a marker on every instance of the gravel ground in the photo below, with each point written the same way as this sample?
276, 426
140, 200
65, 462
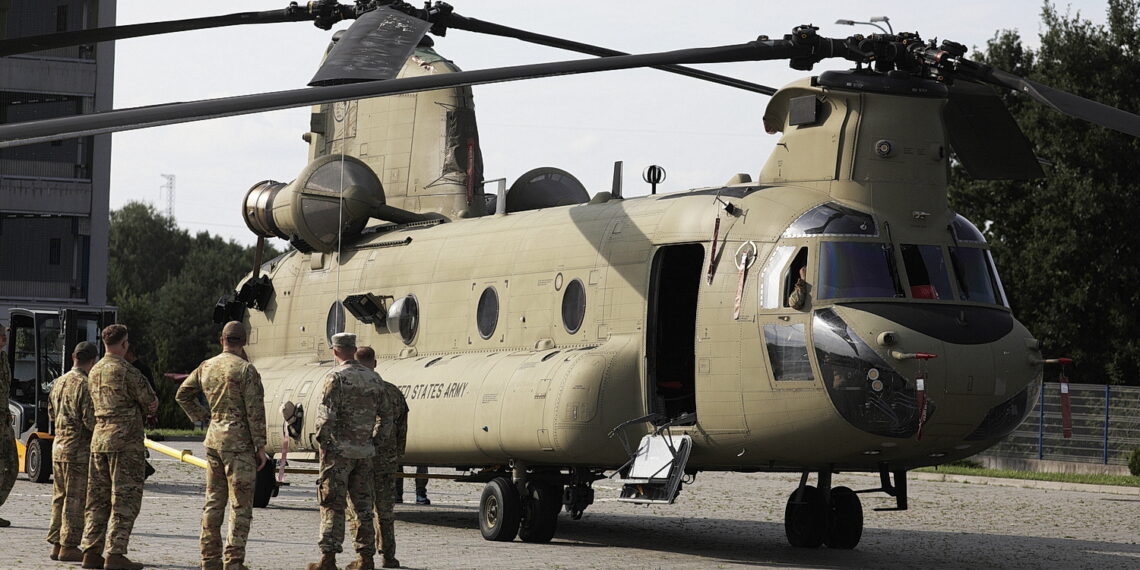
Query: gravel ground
721, 521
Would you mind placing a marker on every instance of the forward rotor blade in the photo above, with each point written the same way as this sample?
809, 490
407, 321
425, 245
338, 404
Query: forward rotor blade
142, 117
1069, 104
94, 35
374, 47
479, 26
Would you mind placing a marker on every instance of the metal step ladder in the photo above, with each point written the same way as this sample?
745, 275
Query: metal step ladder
654, 472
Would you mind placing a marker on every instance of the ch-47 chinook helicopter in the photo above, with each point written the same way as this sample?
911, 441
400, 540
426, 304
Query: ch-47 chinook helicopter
545, 337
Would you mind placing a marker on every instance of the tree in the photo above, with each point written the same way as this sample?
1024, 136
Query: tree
1067, 245
165, 284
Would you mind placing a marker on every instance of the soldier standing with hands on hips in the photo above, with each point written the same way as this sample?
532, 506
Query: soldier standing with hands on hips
235, 444
121, 398
69, 406
347, 421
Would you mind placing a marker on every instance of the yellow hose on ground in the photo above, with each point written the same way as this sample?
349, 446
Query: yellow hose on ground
181, 455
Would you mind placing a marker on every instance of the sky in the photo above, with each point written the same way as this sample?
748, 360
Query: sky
701, 133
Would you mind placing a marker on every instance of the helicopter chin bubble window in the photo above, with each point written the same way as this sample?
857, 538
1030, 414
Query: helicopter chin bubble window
334, 322
487, 312
404, 318
573, 306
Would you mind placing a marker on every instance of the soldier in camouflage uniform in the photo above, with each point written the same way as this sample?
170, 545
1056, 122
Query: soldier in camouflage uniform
235, 444
347, 421
69, 406
8, 456
121, 398
389, 444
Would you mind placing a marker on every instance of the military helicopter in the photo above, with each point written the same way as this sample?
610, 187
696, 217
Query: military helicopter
832, 316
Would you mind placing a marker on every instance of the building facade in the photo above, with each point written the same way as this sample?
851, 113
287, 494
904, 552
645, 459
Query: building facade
54, 196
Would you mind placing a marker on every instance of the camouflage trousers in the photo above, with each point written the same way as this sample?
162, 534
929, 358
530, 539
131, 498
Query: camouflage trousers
341, 480
68, 500
114, 493
229, 477
383, 488
9, 459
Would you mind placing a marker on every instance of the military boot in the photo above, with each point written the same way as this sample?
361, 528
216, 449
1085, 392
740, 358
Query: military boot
212, 564
54, 552
391, 562
362, 563
328, 562
70, 554
121, 562
92, 559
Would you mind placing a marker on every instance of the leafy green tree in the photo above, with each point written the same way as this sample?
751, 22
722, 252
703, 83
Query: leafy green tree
1068, 245
146, 249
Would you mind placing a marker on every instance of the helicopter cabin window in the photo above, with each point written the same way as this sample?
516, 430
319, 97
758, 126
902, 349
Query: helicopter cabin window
770, 284
850, 269
976, 278
787, 350
926, 270
793, 276
334, 322
573, 306
487, 312
833, 220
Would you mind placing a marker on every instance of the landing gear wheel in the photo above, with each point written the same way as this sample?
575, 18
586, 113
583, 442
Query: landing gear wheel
499, 510
845, 524
37, 460
805, 518
540, 508
265, 484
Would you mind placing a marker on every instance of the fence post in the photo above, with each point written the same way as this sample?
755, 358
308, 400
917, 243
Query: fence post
1107, 395
1041, 424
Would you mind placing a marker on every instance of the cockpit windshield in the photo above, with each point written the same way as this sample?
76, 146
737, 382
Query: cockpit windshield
977, 280
833, 220
926, 271
849, 269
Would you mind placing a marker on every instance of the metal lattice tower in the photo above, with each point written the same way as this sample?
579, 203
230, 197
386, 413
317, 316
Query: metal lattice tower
169, 189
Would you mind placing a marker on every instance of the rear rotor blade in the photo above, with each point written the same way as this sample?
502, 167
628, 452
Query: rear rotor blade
172, 113
94, 35
1069, 104
479, 26
374, 47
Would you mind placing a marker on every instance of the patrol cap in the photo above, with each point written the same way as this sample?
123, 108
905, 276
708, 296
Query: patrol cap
234, 331
344, 340
85, 351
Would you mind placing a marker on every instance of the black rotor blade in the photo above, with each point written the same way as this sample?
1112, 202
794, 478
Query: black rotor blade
985, 137
94, 35
171, 113
374, 47
1067, 103
479, 26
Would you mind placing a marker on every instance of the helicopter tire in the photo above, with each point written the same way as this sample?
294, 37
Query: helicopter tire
540, 508
845, 520
805, 518
37, 460
265, 484
500, 510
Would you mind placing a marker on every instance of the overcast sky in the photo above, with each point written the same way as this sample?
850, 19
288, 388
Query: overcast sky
701, 133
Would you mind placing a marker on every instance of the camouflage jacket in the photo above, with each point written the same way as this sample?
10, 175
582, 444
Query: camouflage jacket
5, 386
121, 398
236, 398
393, 434
69, 406
349, 415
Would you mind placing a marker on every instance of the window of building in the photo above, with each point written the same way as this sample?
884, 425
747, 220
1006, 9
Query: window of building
53, 251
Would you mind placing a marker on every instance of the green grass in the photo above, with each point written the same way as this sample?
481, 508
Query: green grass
1118, 480
179, 432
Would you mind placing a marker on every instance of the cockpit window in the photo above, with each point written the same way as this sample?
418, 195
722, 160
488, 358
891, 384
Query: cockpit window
926, 270
856, 269
833, 220
964, 231
976, 278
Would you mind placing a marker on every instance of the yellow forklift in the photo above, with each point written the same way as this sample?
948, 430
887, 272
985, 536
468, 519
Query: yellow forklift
39, 351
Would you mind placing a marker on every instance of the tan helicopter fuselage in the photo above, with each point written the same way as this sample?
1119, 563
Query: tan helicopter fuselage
610, 310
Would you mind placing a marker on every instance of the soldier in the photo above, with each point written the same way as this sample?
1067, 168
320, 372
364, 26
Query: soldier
235, 443
8, 457
347, 421
69, 406
389, 446
121, 398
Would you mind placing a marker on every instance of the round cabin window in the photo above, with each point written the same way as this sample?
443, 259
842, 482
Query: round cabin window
573, 306
487, 312
404, 318
334, 323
